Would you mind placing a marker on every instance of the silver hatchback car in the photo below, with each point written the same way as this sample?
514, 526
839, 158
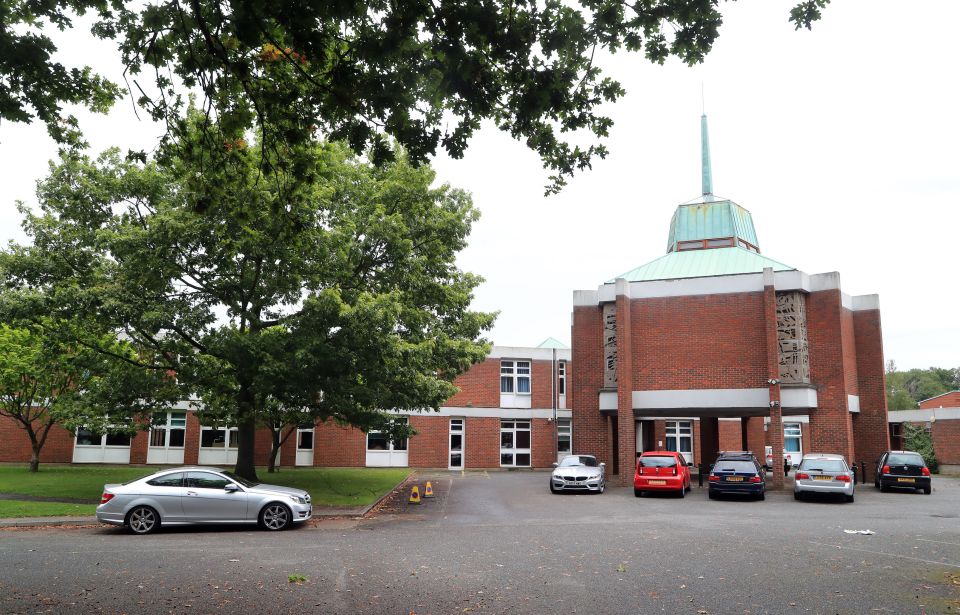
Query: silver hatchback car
823, 473
198, 495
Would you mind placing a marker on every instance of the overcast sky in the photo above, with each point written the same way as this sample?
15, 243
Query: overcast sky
842, 142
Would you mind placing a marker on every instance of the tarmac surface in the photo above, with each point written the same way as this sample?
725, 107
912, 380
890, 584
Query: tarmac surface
499, 542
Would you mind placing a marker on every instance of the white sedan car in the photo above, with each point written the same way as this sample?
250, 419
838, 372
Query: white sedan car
199, 495
578, 473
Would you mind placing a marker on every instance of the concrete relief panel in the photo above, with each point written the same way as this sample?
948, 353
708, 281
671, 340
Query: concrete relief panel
792, 337
610, 345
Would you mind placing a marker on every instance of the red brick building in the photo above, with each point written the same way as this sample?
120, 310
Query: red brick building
940, 415
715, 346
511, 412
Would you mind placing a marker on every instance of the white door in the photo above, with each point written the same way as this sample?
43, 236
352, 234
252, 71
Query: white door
304, 447
515, 444
167, 437
456, 461
680, 438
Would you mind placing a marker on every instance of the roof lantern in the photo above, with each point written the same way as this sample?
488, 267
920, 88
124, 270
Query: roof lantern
710, 221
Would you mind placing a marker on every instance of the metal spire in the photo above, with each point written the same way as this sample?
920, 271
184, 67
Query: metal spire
707, 171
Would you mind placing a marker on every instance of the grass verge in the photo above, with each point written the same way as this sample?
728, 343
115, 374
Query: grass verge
15, 509
332, 487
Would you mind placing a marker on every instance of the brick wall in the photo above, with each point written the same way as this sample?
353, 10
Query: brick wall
947, 400
429, 448
15, 444
482, 441
830, 424
699, 342
590, 428
543, 436
946, 441
849, 341
870, 427
730, 436
338, 446
479, 386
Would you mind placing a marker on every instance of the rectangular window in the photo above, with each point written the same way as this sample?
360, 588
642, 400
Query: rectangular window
562, 377
563, 436
720, 243
515, 377
213, 437
305, 441
689, 245
85, 437
118, 439
168, 430
456, 443
515, 441
791, 439
379, 441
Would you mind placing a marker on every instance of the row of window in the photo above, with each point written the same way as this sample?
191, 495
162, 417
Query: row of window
515, 377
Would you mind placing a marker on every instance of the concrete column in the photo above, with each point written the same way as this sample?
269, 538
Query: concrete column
626, 425
745, 433
775, 434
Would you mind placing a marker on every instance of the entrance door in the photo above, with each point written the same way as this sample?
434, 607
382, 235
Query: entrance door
456, 444
304, 447
515, 444
680, 438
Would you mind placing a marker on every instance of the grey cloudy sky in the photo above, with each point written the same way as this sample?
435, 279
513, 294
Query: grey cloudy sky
842, 142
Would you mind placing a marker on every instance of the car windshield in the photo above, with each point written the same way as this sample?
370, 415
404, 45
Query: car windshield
237, 479
904, 459
578, 460
823, 465
735, 466
657, 462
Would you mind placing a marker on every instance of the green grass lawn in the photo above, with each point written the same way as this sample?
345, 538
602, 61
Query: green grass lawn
16, 508
327, 486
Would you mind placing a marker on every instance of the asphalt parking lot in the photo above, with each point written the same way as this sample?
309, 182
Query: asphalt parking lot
499, 542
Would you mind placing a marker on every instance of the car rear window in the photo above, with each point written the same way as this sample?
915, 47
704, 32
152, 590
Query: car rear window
657, 462
735, 466
823, 465
904, 459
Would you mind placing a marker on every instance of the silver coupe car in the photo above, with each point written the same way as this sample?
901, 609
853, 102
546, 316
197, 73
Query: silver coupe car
198, 495
578, 473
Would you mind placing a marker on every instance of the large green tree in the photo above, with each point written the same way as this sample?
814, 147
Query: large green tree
326, 284
906, 389
425, 74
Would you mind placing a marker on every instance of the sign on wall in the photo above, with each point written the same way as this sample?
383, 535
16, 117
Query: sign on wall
794, 356
610, 345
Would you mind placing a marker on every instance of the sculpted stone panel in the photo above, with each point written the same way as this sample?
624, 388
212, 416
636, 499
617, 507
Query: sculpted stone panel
794, 353
610, 345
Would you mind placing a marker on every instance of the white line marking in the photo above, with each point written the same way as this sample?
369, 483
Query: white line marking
916, 559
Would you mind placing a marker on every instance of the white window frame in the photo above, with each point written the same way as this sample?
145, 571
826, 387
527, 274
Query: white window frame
564, 432
562, 378
510, 372
795, 433
102, 452
458, 427
226, 438
677, 430
167, 427
392, 456
513, 426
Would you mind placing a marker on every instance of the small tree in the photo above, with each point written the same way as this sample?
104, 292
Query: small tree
917, 439
44, 381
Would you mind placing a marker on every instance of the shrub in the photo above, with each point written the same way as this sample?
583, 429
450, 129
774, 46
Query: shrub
916, 438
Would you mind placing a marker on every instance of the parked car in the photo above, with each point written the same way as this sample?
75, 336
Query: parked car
823, 473
661, 471
578, 473
199, 495
902, 470
737, 472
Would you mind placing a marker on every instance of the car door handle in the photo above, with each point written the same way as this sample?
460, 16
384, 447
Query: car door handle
193, 493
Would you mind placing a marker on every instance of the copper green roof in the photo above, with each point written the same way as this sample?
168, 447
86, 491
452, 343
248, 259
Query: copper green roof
552, 342
710, 217
703, 263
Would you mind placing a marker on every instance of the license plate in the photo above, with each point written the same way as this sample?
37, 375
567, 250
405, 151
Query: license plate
822, 478
734, 479
578, 483
906, 480
656, 482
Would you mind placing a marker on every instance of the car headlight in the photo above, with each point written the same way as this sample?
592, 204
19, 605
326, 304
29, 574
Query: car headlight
298, 499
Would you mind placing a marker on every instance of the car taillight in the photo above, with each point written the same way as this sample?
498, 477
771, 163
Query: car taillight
926, 471
802, 476
714, 477
755, 479
843, 478
675, 470
106, 497
885, 469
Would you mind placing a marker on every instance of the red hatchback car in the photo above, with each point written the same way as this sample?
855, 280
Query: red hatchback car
661, 471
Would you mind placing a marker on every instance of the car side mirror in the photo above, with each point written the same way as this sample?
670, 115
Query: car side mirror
231, 488
603, 465
555, 464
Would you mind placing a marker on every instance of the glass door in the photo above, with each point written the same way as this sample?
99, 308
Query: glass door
456, 444
680, 438
515, 444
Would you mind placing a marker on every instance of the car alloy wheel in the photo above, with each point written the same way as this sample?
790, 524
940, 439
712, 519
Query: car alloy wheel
275, 517
143, 520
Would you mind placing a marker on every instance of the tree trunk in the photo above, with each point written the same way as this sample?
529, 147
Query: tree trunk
275, 450
35, 460
246, 435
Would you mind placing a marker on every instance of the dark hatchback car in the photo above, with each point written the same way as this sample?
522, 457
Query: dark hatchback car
902, 470
737, 473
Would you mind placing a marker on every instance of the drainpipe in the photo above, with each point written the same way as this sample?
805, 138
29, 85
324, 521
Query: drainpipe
553, 401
